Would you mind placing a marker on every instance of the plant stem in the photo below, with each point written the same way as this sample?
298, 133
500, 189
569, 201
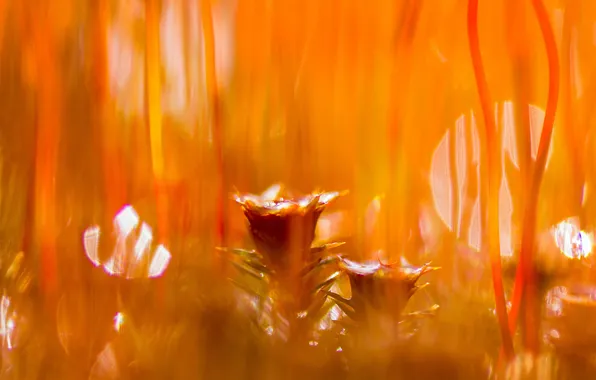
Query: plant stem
494, 175
518, 46
572, 134
153, 86
153, 67
399, 183
525, 286
113, 178
214, 100
522, 82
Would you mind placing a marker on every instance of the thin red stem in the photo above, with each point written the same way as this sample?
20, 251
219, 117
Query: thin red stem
494, 175
213, 94
525, 285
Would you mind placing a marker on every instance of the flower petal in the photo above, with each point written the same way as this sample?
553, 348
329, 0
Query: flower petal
272, 193
363, 269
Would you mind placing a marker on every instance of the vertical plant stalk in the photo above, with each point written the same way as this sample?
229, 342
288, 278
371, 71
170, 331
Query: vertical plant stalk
3, 16
341, 99
187, 35
49, 103
154, 110
114, 186
572, 132
523, 85
214, 101
518, 47
493, 176
525, 286
153, 67
398, 192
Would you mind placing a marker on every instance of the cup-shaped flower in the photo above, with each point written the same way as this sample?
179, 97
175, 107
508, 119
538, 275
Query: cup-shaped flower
376, 286
283, 227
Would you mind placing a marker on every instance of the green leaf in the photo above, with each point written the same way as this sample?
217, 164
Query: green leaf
318, 308
344, 304
328, 282
325, 247
246, 288
416, 288
249, 271
423, 313
310, 268
258, 267
247, 253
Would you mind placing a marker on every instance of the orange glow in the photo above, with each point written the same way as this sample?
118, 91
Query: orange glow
463, 133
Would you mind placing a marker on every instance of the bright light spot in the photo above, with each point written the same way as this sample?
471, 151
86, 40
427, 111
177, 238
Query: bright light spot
118, 321
465, 168
365, 268
303, 202
336, 313
555, 334
510, 138
113, 267
126, 221
160, 261
313, 343
91, 244
302, 314
7, 323
130, 254
144, 241
4, 305
572, 242
554, 301
272, 193
328, 197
